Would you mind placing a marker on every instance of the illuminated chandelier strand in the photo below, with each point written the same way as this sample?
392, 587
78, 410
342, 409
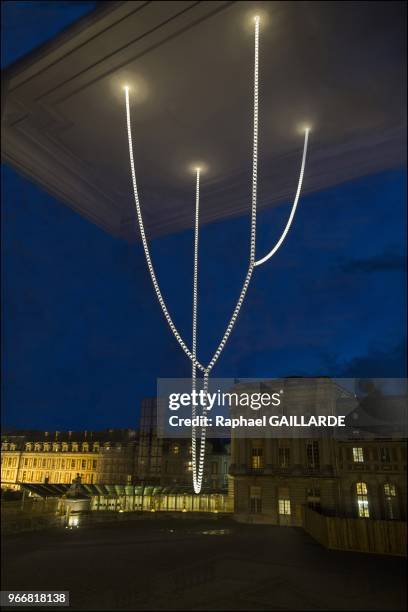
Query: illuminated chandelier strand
197, 474
192, 355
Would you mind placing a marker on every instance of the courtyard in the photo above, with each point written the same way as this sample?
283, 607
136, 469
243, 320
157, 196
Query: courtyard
200, 564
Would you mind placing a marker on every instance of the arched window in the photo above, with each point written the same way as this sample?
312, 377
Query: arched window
362, 500
85, 447
390, 494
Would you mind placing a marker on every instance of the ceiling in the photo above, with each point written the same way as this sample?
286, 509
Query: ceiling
338, 66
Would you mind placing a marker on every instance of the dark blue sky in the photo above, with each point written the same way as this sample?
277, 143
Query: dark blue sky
84, 338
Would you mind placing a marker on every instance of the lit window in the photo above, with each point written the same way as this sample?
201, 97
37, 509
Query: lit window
257, 458
175, 449
390, 493
358, 455
284, 506
362, 500
389, 490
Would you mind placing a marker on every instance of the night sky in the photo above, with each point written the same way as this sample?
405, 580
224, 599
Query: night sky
84, 338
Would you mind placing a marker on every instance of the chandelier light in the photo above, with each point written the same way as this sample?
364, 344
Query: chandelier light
198, 466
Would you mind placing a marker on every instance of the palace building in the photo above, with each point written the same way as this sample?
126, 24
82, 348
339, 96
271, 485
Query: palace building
58, 457
359, 473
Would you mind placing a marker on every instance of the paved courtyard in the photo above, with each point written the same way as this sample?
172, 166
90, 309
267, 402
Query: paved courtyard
193, 564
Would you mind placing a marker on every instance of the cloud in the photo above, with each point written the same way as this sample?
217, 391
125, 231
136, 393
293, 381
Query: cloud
381, 363
379, 263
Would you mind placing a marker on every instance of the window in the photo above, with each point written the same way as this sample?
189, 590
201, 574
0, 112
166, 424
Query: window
94, 464
385, 455
390, 493
85, 447
284, 506
284, 457
257, 458
313, 456
362, 500
313, 498
75, 446
83, 464
358, 455
255, 500
175, 449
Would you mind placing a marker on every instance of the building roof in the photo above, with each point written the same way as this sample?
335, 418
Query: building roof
337, 65
110, 490
20, 437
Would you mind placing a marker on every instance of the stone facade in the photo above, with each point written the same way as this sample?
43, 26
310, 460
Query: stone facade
56, 457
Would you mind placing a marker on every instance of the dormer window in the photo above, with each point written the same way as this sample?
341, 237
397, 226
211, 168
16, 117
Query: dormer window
55, 447
75, 446
95, 447
37, 446
12, 446
29, 446
64, 446
85, 447
46, 446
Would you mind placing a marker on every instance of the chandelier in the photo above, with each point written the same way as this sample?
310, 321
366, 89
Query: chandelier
199, 458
